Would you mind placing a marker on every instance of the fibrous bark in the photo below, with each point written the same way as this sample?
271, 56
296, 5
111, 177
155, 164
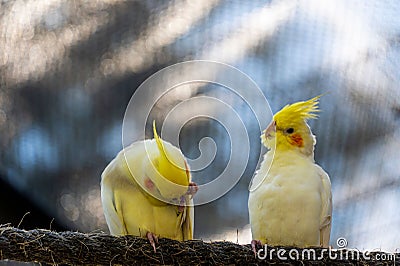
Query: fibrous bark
76, 248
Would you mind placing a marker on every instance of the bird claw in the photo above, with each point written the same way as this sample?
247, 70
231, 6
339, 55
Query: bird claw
254, 244
153, 239
182, 204
193, 188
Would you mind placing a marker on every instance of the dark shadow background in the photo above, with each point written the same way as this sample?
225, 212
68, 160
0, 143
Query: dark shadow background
69, 68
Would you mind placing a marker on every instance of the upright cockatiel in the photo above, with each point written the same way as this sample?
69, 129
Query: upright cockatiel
147, 191
290, 201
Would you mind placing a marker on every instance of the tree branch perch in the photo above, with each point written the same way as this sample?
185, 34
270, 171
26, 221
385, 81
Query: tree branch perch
46, 246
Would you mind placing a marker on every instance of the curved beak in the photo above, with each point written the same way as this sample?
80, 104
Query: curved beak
268, 133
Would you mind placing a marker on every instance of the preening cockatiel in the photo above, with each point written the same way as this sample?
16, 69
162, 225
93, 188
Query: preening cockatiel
290, 201
152, 194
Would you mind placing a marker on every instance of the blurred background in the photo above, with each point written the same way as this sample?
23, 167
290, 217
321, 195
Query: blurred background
69, 68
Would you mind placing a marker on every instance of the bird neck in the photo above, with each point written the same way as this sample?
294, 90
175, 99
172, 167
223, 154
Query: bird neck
276, 154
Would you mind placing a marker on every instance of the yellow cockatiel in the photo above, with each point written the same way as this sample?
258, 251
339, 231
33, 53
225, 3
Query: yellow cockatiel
152, 194
290, 201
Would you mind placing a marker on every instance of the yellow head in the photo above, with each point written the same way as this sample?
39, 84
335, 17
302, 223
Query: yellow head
172, 175
289, 130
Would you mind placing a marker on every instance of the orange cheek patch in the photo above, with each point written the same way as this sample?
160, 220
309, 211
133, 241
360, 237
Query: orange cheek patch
296, 140
149, 184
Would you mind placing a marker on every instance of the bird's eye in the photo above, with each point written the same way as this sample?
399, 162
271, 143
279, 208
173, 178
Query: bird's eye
290, 130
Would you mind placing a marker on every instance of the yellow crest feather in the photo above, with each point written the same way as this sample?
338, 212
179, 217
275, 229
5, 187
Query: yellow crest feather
159, 141
300, 111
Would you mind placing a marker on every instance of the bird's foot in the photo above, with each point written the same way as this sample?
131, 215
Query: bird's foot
254, 244
153, 239
193, 188
182, 204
